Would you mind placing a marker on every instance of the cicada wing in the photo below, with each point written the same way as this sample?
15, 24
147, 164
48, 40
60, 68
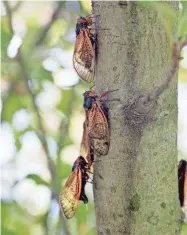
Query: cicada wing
85, 143
97, 123
86, 149
70, 194
83, 57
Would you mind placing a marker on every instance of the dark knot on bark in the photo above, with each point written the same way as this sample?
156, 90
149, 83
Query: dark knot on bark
137, 112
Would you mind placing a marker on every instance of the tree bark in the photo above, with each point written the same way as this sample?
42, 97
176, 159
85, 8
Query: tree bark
135, 185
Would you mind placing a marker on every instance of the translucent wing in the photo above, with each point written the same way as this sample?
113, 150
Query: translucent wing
98, 129
86, 150
83, 57
85, 143
70, 194
97, 122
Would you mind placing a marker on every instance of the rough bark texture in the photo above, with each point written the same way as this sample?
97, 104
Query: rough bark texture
135, 185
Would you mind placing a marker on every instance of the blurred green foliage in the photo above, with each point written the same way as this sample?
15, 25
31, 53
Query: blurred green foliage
22, 91
22, 87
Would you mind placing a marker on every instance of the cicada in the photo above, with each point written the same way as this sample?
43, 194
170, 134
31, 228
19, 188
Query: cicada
86, 148
74, 189
84, 54
96, 122
182, 182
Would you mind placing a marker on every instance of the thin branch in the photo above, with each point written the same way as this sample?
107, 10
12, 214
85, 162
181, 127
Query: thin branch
183, 44
29, 88
4, 100
168, 78
9, 14
42, 134
31, 92
16, 7
62, 221
48, 26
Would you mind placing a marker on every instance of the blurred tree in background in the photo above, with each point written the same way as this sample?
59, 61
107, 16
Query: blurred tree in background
42, 117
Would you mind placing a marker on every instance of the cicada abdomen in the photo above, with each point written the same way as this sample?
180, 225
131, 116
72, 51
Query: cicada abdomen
97, 123
185, 192
181, 180
84, 54
73, 190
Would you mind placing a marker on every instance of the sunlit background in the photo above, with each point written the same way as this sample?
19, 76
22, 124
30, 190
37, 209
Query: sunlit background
42, 117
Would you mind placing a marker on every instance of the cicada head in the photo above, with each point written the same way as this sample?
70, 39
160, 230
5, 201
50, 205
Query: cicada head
182, 165
82, 23
89, 98
79, 163
84, 20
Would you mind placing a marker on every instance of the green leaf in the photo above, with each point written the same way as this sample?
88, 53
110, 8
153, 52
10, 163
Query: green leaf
182, 75
182, 25
37, 179
57, 29
63, 171
184, 229
30, 37
15, 220
18, 134
5, 37
83, 212
15, 102
92, 231
66, 101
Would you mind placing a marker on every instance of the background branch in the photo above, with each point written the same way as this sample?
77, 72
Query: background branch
48, 26
9, 14
42, 135
28, 84
168, 78
16, 7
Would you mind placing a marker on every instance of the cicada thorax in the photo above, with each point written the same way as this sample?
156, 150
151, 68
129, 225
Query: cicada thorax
182, 182
73, 190
97, 123
83, 56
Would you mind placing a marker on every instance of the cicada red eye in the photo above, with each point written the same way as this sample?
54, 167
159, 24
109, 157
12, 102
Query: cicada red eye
73, 190
84, 55
89, 20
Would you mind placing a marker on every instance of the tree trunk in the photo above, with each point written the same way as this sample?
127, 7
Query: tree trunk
135, 185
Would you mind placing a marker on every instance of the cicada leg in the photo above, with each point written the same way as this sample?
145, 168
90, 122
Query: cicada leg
87, 178
91, 182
